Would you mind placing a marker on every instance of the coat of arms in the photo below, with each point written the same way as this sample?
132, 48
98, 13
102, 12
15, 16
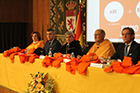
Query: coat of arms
70, 15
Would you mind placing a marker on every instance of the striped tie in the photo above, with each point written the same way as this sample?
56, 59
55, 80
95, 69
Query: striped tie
125, 52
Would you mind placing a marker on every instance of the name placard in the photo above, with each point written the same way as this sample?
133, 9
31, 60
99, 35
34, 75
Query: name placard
96, 65
41, 56
66, 60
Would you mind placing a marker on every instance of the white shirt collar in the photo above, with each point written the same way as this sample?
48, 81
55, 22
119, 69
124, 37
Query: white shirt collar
51, 41
35, 42
129, 43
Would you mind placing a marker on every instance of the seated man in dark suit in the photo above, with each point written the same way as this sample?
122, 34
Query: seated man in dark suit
52, 45
129, 48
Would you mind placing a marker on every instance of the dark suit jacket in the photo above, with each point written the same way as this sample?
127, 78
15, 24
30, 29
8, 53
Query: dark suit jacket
134, 52
56, 47
73, 47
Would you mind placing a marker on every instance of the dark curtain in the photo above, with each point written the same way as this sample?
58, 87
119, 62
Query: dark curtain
12, 34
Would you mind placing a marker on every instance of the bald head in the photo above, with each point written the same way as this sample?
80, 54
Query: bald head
99, 35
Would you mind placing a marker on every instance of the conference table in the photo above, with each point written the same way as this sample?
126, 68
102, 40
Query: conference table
16, 76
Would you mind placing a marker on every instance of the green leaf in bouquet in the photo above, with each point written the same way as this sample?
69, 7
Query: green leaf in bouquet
49, 87
43, 79
50, 80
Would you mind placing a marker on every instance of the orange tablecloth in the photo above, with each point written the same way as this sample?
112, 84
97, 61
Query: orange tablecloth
16, 77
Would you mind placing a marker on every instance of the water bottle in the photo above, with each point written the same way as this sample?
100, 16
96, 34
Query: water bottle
101, 59
41, 53
50, 53
108, 60
72, 55
27, 51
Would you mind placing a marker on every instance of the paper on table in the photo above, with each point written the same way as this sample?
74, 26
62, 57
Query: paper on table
66, 60
41, 56
96, 65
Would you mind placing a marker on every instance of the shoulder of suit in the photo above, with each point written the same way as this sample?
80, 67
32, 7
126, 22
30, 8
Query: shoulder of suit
56, 41
135, 44
120, 46
64, 45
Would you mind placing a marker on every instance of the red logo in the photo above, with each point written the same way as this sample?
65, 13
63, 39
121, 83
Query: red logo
70, 24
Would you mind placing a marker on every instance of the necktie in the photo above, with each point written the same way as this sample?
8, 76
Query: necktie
49, 43
125, 51
49, 46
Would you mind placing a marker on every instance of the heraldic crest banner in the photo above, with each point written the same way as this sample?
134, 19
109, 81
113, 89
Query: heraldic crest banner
63, 16
70, 15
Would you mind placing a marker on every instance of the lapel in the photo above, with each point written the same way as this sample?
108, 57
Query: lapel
53, 42
131, 49
122, 50
47, 49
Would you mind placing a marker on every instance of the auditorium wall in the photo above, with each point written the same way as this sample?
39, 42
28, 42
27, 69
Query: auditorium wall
19, 18
15, 16
37, 15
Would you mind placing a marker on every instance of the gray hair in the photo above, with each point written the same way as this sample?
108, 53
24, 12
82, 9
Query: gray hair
69, 33
51, 30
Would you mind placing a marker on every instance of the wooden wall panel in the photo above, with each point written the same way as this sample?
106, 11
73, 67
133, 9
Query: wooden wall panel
29, 20
13, 10
41, 17
36, 13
